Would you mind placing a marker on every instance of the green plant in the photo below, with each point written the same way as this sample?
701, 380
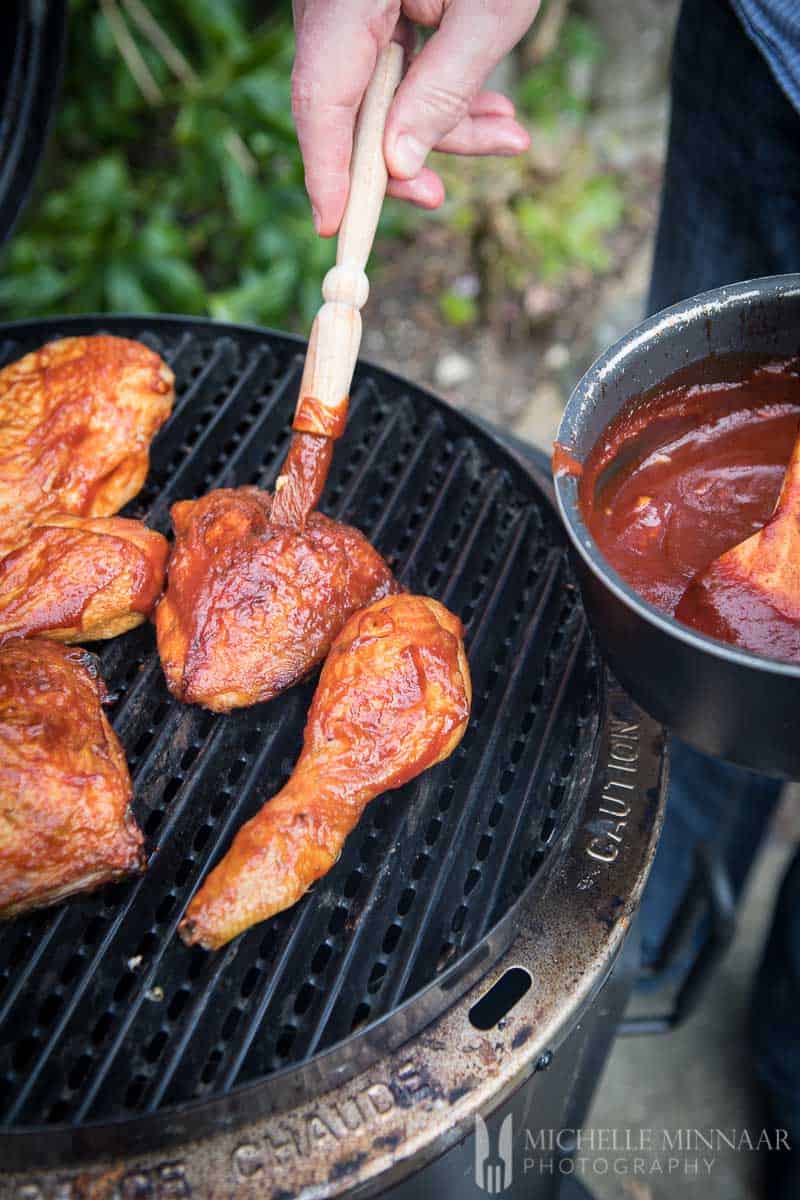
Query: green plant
546, 215
565, 223
458, 309
555, 88
181, 192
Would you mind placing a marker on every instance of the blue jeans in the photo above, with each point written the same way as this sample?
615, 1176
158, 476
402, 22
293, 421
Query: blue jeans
730, 211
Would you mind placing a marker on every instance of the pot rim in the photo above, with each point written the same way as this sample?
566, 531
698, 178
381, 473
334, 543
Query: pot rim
668, 324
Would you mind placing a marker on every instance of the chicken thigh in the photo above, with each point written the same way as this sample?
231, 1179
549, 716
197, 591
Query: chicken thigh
76, 421
65, 821
81, 578
251, 607
393, 699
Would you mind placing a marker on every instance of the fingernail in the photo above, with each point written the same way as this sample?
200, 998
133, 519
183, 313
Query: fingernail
408, 156
518, 141
317, 219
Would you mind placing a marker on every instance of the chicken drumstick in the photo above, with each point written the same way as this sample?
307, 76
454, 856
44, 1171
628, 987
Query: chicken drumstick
393, 699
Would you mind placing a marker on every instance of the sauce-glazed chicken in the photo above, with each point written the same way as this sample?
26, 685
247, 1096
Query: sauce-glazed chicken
81, 578
393, 699
65, 791
76, 421
251, 607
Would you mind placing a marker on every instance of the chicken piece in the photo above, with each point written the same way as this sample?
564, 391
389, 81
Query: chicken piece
251, 607
81, 578
76, 421
65, 821
393, 699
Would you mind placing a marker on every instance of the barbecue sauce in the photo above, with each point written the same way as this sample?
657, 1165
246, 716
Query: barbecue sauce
686, 473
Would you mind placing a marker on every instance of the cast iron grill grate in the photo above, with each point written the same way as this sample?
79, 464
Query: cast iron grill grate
104, 1013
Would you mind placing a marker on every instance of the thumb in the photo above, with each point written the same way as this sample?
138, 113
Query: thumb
445, 77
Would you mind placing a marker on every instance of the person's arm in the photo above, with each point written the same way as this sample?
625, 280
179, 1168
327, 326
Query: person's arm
439, 105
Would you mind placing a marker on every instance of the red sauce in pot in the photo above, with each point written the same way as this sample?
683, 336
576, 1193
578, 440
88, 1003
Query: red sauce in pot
688, 472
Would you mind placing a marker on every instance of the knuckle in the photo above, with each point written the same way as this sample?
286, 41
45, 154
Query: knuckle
425, 12
381, 19
502, 10
511, 16
302, 90
444, 103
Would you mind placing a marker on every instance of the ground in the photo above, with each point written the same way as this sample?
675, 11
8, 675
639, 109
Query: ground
513, 369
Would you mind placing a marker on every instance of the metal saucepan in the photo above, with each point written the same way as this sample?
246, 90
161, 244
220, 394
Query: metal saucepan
725, 701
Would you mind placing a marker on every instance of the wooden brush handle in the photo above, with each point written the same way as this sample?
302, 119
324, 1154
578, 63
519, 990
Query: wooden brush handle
336, 333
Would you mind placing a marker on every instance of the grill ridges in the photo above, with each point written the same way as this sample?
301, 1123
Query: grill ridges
476, 766
534, 763
227, 825
455, 518
222, 423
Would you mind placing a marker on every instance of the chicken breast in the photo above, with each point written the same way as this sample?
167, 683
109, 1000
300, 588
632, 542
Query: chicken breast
252, 607
393, 698
81, 578
65, 792
76, 421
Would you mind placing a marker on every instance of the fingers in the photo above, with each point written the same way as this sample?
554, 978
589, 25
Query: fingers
333, 35
446, 77
491, 104
485, 135
474, 134
489, 128
426, 190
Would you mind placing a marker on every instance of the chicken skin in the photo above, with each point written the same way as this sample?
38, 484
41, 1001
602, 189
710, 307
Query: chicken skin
250, 606
65, 821
81, 579
76, 421
393, 699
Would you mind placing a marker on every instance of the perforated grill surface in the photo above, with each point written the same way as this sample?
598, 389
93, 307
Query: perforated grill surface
104, 1013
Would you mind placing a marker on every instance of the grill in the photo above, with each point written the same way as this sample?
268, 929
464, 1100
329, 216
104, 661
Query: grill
112, 1032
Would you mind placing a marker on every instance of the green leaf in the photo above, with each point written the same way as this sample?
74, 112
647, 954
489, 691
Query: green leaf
33, 292
260, 298
458, 310
264, 97
176, 286
125, 291
548, 92
245, 195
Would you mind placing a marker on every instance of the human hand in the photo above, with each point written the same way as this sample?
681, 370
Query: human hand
439, 104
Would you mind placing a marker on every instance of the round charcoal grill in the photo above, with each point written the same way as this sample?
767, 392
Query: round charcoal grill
116, 1040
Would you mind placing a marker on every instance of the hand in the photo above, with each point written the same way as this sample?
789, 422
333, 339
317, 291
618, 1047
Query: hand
439, 105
